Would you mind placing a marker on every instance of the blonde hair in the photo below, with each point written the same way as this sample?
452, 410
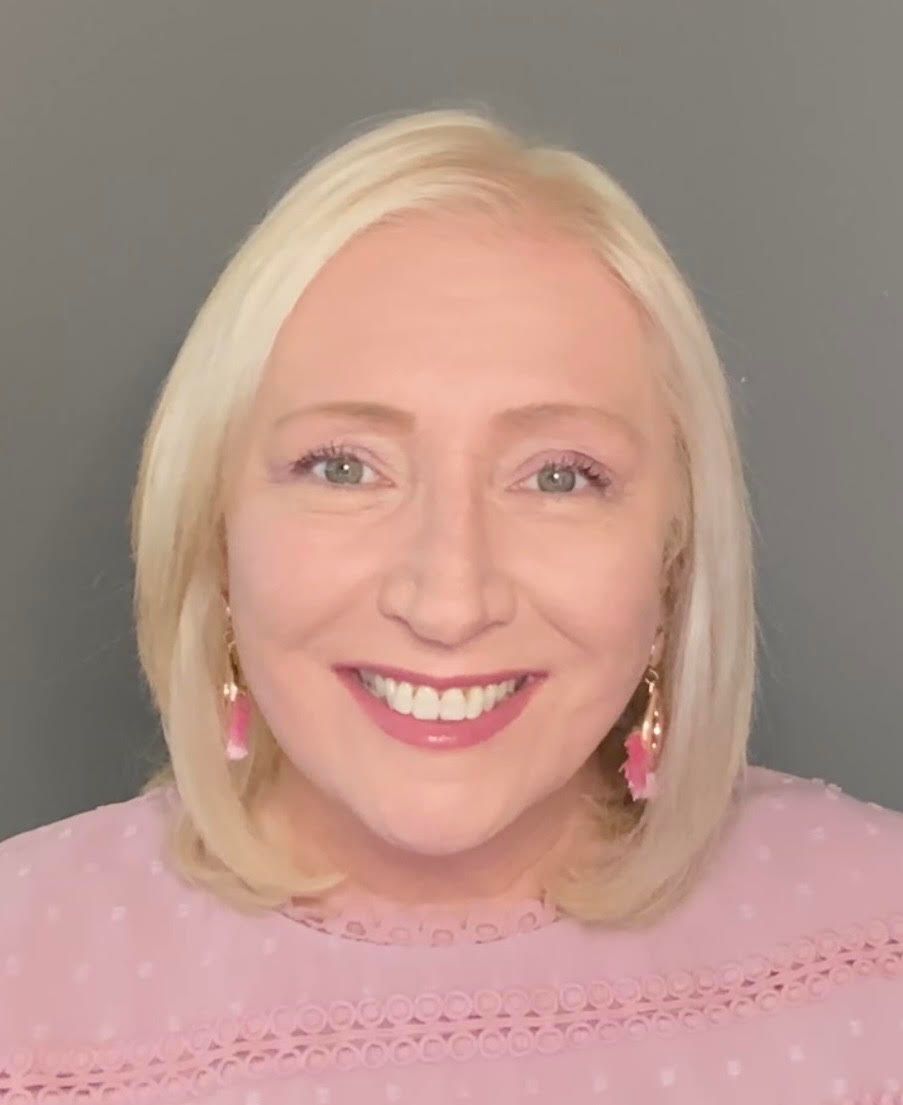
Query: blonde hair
645, 855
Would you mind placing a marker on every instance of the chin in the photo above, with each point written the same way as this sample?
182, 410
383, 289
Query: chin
425, 836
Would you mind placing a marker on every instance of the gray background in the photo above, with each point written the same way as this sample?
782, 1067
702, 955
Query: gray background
139, 142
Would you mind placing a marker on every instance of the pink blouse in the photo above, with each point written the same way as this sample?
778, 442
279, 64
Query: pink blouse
778, 981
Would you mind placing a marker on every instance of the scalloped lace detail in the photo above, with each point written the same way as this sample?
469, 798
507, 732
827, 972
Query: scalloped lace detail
477, 923
401, 1029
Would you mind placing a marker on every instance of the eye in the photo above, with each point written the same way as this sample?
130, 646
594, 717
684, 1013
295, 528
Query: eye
554, 475
558, 476
341, 462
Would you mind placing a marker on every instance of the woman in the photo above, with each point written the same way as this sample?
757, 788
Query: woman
444, 595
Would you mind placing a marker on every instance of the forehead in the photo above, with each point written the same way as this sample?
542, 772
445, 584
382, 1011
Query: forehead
451, 300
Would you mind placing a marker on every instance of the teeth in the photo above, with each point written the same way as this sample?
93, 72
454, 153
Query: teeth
427, 704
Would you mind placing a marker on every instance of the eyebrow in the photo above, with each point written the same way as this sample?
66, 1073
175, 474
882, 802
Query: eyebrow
524, 419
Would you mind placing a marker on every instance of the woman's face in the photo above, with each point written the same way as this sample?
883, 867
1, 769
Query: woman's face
449, 542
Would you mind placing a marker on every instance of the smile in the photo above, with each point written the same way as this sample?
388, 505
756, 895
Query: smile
422, 717
427, 703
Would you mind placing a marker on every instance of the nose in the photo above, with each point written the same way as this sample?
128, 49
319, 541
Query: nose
446, 583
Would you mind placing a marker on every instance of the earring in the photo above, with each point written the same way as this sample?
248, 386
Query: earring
238, 706
644, 745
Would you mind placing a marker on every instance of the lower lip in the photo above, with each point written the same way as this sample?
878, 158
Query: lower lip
439, 735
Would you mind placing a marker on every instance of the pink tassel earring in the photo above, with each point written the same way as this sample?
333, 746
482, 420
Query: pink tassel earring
644, 745
238, 706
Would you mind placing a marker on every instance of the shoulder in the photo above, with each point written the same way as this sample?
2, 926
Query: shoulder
802, 815
102, 939
799, 856
55, 858
83, 859
70, 895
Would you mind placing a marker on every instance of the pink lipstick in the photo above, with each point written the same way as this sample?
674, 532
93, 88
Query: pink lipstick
438, 734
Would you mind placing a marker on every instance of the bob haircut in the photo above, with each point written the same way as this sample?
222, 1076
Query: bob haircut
644, 856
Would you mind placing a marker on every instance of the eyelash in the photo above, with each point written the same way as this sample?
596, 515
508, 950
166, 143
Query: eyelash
588, 468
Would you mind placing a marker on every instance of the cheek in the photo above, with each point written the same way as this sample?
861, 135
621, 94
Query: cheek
622, 598
606, 603
601, 587
275, 577
622, 613
281, 573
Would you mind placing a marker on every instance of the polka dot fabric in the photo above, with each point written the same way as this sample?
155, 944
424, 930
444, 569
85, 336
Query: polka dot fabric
779, 979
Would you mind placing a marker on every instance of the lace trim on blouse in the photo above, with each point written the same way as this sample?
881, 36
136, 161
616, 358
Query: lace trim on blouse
402, 1029
478, 923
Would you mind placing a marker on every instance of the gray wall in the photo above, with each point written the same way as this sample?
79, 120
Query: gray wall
141, 138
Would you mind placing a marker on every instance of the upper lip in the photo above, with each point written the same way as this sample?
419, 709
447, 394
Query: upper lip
403, 675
